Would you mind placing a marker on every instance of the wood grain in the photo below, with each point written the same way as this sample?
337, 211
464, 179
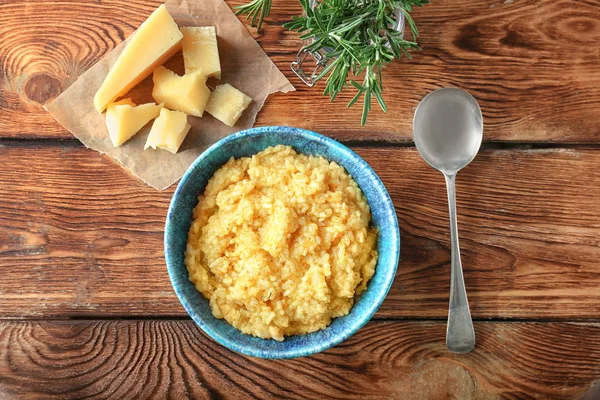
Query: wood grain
533, 65
80, 237
401, 360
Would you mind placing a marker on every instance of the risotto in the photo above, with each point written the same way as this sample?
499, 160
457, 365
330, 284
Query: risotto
281, 243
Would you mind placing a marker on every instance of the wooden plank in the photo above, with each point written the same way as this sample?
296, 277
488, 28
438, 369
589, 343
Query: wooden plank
407, 360
79, 236
532, 65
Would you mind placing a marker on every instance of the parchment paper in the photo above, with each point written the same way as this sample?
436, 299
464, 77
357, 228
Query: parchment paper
243, 63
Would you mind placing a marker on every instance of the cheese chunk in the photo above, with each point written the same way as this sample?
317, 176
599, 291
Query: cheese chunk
200, 51
124, 119
187, 93
155, 41
168, 131
227, 104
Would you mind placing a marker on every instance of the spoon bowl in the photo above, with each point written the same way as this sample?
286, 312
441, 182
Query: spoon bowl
448, 130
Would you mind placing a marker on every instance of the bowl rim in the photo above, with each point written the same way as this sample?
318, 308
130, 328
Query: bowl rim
360, 320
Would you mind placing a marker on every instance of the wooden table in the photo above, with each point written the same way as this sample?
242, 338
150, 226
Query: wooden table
86, 304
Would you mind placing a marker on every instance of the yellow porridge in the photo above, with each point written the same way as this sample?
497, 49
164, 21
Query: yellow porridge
281, 243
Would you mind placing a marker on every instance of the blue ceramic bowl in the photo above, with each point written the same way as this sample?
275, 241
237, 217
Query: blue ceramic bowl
247, 143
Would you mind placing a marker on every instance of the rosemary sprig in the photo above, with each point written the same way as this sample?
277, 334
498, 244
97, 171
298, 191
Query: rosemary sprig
356, 37
256, 10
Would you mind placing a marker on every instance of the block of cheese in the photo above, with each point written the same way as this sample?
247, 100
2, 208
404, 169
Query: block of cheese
124, 119
227, 104
200, 50
187, 93
168, 131
154, 42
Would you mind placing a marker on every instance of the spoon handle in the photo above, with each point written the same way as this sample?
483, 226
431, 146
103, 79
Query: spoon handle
460, 336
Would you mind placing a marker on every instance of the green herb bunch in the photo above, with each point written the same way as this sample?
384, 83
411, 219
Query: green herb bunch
355, 37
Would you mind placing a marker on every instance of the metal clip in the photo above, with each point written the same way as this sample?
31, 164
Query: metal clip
320, 63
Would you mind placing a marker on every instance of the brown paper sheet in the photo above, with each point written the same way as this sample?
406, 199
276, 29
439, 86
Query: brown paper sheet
244, 65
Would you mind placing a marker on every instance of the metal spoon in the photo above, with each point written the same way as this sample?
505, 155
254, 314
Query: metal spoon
448, 129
